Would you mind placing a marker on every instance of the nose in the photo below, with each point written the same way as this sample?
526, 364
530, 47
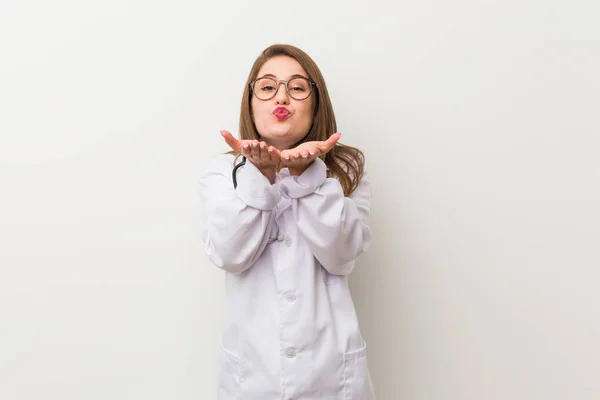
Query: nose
281, 97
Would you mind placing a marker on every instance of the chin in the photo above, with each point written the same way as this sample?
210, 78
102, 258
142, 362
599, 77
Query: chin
281, 132
275, 131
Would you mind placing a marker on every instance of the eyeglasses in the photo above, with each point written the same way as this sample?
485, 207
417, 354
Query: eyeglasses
297, 88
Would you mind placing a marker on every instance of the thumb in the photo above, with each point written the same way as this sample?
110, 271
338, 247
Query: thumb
230, 140
330, 142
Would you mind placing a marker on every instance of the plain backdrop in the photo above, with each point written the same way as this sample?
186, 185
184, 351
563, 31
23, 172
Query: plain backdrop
480, 123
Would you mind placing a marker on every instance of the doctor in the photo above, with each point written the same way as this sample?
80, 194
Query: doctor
287, 233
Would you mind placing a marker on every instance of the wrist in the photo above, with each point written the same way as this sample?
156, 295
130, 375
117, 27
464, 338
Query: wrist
269, 173
297, 171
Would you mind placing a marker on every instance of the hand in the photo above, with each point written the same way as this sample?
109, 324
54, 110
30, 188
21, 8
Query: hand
265, 158
300, 158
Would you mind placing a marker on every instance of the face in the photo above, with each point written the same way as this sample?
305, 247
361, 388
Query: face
282, 121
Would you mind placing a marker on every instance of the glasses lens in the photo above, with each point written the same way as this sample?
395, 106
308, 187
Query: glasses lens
265, 88
299, 88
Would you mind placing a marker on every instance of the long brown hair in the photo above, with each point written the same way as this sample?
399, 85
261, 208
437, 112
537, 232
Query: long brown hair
344, 162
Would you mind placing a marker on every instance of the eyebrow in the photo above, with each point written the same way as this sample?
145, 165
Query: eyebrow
291, 76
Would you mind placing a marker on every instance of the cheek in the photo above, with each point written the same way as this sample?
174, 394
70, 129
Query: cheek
307, 115
257, 113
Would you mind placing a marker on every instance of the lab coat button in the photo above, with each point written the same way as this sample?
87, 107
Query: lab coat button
290, 296
290, 352
280, 237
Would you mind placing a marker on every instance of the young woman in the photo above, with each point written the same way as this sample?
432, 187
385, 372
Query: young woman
286, 215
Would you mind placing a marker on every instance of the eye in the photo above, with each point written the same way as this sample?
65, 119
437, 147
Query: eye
265, 85
298, 85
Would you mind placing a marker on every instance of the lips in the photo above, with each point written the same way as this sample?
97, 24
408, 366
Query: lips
281, 113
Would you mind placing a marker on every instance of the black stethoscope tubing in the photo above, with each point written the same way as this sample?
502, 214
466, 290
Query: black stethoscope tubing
233, 174
233, 177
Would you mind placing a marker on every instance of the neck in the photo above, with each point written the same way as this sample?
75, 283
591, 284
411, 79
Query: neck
279, 145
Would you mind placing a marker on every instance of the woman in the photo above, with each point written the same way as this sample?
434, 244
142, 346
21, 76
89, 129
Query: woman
286, 215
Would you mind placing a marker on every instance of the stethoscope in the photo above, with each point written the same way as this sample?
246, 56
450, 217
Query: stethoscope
233, 174
279, 237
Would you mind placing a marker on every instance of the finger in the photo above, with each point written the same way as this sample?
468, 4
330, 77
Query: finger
230, 140
273, 153
264, 151
300, 162
255, 149
330, 142
308, 149
290, 155
308, 158
245, 149
287, 160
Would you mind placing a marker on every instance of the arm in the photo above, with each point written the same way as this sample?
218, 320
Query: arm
237, 222
334, 227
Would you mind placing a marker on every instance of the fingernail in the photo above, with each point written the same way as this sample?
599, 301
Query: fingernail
312, 154
245, 147
287, 158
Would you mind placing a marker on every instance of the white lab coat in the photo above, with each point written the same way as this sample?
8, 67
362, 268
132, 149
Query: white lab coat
291, 331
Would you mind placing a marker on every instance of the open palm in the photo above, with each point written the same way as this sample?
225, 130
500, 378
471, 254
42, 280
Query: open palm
258, 153
302, 156
265, 158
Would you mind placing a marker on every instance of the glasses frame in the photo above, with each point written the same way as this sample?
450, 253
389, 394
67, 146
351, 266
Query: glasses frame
287, 89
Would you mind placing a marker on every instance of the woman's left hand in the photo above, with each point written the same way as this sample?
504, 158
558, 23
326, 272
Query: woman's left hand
298, 159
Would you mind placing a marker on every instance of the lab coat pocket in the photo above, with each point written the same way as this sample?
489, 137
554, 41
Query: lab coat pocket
357, 381
230, 375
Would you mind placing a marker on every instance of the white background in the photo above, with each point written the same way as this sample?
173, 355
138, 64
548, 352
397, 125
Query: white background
479, 120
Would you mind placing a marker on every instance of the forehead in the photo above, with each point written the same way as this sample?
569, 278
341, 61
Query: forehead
282, 67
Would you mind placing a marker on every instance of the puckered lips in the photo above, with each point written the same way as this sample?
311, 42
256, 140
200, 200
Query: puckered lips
281, 113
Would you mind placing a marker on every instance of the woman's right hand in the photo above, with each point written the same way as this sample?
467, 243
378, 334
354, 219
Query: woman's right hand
265, 158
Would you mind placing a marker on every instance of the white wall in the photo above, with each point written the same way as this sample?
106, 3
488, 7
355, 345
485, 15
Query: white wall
480, 123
